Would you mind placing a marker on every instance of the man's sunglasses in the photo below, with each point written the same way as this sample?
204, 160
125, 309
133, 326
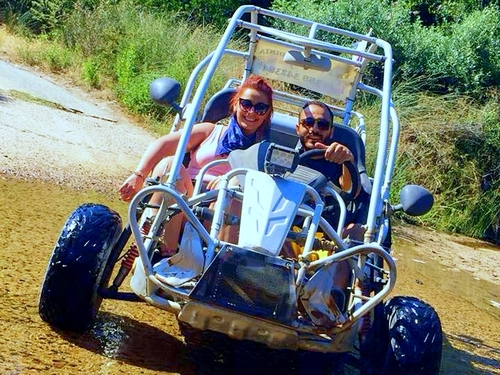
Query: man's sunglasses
259, 108
309, 122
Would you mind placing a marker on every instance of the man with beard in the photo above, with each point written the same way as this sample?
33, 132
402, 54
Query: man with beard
315, 130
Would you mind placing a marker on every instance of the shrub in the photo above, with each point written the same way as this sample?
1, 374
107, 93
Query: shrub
49, 54
461, 45
135, 46
202, 12
448, 144
474, 57
90, 73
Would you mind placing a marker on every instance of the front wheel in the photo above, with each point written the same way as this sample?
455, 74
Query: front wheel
412, 340
69, 296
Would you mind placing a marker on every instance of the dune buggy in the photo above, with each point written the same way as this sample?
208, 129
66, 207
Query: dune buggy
252, 291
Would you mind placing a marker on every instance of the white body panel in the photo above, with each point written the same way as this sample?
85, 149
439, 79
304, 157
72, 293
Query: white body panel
269, 208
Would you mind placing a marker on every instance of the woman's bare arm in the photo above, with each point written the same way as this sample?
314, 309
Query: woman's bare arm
156, 151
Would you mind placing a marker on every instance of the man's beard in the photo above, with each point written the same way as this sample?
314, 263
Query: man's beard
309, 143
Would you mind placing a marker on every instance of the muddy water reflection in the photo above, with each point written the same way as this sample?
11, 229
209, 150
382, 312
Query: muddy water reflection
470, 323
111, 335
128, 338
482, 294
136, 338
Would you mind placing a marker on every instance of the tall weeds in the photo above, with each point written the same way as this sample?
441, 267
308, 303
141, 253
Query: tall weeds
135, 47
449, 144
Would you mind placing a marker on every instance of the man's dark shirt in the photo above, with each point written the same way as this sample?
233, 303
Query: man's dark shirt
332, 171
356, 210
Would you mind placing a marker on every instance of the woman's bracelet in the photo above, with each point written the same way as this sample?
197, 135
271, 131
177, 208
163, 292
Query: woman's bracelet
140, 174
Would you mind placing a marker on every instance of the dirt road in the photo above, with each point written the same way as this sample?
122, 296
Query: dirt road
66, 137
54, 157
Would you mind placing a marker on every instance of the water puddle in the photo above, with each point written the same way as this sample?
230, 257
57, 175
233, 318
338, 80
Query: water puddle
449, 280
110, 335
47, 206
128, 335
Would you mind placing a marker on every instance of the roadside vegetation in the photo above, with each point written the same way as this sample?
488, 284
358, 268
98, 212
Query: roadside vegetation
446, 83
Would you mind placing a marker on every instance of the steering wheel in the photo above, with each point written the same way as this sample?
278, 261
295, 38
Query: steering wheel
355, 180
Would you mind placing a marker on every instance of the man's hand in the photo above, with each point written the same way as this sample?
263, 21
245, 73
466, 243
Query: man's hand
336, 153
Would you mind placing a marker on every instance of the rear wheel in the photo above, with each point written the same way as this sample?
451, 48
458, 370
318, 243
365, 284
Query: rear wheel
409, 342
69, 296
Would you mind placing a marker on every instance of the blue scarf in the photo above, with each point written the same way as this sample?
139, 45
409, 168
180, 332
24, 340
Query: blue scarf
234, 139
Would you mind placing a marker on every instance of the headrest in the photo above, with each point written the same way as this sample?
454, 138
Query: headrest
217, 108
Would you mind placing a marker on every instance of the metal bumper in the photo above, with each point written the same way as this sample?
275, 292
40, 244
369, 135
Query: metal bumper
238, 326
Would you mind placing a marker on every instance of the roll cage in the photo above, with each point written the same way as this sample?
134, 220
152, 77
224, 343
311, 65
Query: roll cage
312, 63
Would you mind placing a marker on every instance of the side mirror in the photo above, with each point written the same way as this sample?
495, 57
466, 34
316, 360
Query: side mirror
165, 91
415, 200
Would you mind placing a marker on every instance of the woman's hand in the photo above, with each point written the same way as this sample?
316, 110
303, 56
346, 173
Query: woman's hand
131, 186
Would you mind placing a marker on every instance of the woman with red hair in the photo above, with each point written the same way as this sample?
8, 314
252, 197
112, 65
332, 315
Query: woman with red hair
251, 107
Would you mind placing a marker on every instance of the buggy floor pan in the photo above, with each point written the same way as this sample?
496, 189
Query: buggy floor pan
276, 336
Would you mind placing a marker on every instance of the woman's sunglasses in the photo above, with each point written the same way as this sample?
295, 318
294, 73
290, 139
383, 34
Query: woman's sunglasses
309, 122
259, 108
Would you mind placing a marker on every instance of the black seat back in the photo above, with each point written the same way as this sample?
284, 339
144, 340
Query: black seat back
218, 107
351, 139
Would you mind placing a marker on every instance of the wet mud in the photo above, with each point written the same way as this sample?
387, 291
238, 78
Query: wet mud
134, 338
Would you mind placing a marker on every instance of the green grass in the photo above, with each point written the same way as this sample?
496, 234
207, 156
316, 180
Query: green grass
448, 143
